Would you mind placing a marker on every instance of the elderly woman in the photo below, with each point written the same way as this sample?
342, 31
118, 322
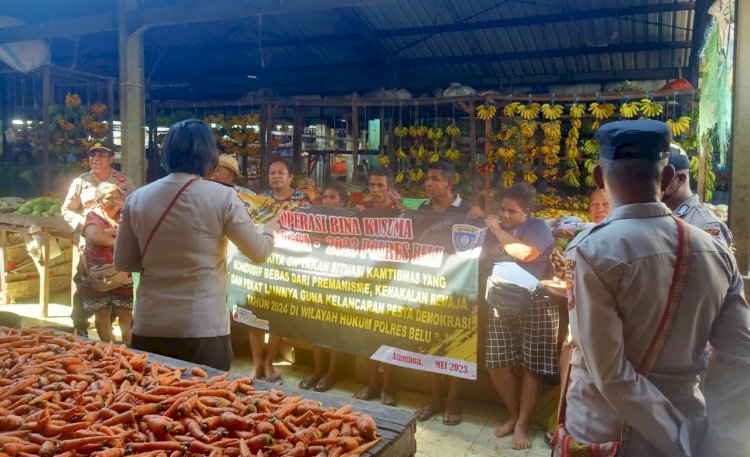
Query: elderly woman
175, 231
100, 230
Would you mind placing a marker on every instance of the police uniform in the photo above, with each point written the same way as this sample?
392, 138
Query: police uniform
619, 276
692, 210
82, 192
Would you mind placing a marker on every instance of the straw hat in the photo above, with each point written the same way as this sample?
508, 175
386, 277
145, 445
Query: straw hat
230, 163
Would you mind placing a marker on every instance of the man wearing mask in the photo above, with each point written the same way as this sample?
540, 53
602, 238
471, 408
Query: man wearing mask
685, 204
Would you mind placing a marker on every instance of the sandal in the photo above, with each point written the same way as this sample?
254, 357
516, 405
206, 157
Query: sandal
426, 412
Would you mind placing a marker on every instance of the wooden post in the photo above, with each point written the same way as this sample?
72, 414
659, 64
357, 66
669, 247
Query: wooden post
472, 135
3, 283
46, 102
44, 275
355, 137
262, 175
111, 113
132, 95
297, 130
75, 258
702, 164
739, 195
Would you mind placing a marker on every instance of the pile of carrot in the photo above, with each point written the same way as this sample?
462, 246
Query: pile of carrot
61, 396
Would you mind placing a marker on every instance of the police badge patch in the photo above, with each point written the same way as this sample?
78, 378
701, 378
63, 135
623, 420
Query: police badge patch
682, 210
465, 238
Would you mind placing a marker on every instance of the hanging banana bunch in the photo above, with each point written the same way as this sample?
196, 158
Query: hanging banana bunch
452, 130
401, 131
575, 124
506, 134
595, 126
577, 110
650, 108
530, 111
591, 146
629, 110
400, 154
552, 130
399, 178
511, 109
453, 155
435, 133
572, 155
457, 178
384, 160
552, 112
571, 177
527, 128
529, 176
601, 111
416, 175
588, 165
509, 178
486, 111
679, 126
506, 153
549, 174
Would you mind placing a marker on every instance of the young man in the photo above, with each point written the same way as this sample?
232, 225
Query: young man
438, 186
620, 276
380, 185
685, 204
80, 198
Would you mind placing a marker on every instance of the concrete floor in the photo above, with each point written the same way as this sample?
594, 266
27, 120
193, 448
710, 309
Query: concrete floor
473, 437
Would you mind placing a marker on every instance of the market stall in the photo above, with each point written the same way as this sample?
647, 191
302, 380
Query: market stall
61, 394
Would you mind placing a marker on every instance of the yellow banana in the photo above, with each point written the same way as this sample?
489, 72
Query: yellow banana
384, 160
400, 154
399, 178
530, 111
435, 133
511, 109
529, 176
552, 112
453, 130
577, 110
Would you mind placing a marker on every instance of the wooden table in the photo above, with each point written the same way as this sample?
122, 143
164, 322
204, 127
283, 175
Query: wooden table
50, 227
395, 426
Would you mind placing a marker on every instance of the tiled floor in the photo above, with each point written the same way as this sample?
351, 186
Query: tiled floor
473, 437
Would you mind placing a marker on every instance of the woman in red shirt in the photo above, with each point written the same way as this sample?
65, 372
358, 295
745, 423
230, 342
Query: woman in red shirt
100, 230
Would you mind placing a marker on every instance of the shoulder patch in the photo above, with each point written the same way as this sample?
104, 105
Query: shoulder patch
682, 210
713, 231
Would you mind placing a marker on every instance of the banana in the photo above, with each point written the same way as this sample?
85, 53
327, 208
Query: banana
527, 129
401, 131
509, 178
575, 124
629, 110
595, 126
400, 154
435, 133
573, 154
650, 108
399, 178
433, 157
486, 111
591, 146
453, 130
529, 176
577, 110
416, 175
589, 181
588, 164
506, 154
457, 178
679, 126
511, 109
413, 131
530, 111
694, 165
549, 174
551, 159
571, 141
384, 160
453, 154
504, 134
571, 178
552, 112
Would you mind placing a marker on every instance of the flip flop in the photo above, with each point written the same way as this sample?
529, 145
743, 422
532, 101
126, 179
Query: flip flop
323, 385
426, 412
308, 382
275, 379
448, 422
548, 437
366, 394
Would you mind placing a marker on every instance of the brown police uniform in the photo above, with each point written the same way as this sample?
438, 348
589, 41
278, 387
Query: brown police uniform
82, 192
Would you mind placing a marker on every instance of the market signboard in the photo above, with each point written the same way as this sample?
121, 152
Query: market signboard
397, 287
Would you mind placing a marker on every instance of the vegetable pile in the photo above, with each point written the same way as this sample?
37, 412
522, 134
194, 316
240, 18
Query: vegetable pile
64, 397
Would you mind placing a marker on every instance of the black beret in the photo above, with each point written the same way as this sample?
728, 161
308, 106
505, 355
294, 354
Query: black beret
643, 139
678, 158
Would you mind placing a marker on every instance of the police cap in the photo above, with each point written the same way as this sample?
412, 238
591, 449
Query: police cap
678, 158
643, 139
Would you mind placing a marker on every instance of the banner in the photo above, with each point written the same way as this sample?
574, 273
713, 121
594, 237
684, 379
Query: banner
400, 288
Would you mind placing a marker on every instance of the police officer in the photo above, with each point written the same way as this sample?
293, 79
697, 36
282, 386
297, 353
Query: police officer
619, 274
80, 198
684, 203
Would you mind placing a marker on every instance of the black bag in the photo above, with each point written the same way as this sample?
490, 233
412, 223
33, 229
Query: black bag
506, 297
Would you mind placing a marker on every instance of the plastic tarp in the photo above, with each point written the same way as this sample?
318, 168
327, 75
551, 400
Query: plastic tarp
24, 56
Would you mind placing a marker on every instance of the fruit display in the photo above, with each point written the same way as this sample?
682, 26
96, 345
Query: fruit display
238, 135
40, 206
555, 207
64, 396
74, 127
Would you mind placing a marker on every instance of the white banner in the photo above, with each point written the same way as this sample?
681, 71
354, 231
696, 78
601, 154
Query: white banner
424, 362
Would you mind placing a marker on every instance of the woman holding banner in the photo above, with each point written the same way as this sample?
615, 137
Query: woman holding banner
525, 336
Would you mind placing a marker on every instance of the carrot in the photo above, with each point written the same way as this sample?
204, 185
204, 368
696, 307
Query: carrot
19, 386
285, 410
75, 443
154, 446
65, 430
244, 449
146, 409
160, 425
336, 452
11, 422
111, 452
186, 406
327, 441
233, 421
349, 442
126, 417
200, 447
265, 427
259, 441
176, 454
15, 448
282, 431
361, 449
366, 426
327, 427
210, 422
346, 409
315, 450
147, 397
346, 429
198, 371
195, 430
